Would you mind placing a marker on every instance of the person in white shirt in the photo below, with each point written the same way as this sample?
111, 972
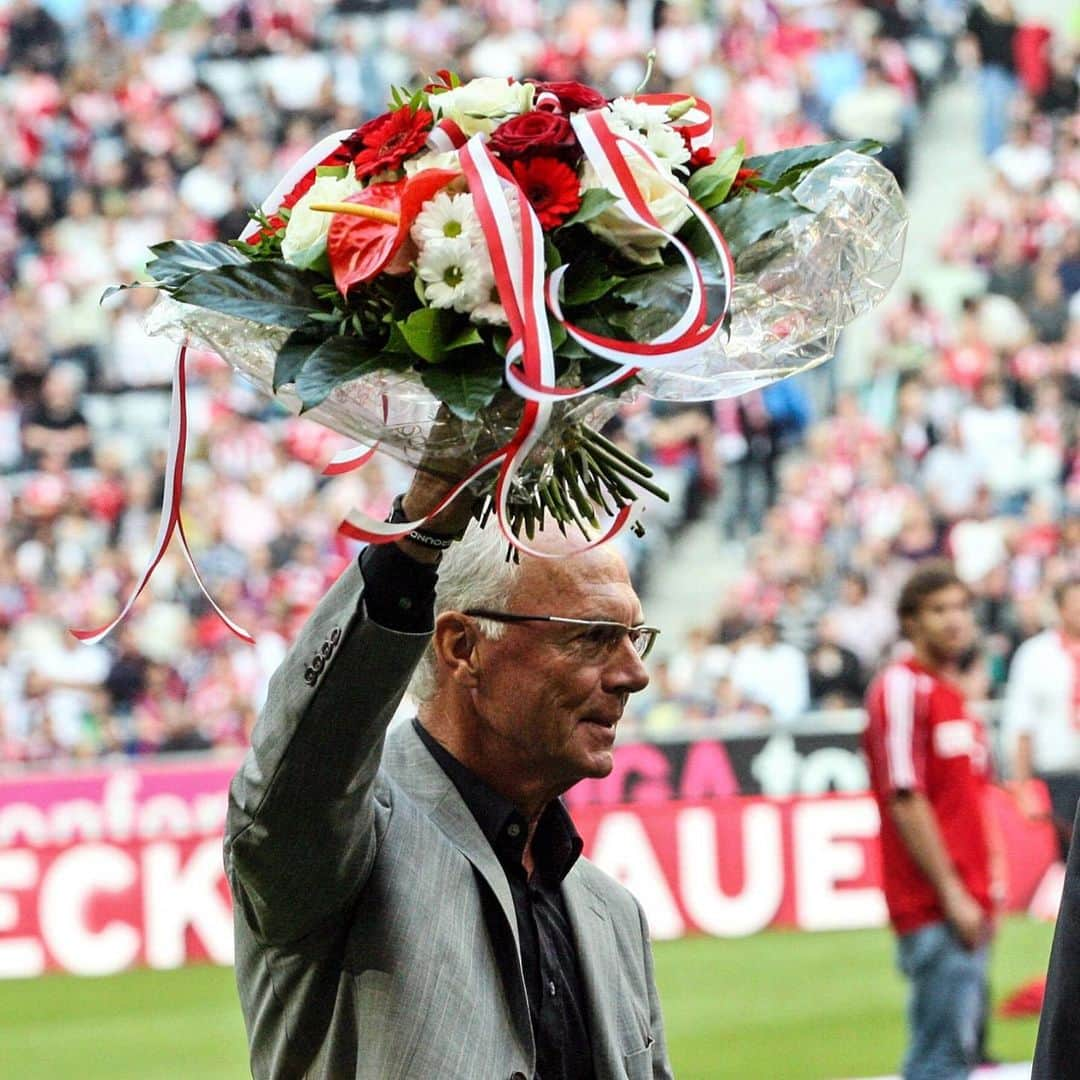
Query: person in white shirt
1024, 163
1042, 712
771, 674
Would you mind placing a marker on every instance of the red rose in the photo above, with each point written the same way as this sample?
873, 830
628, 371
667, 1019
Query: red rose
573, 96
551, 187
701, 157
534, 133
386, 141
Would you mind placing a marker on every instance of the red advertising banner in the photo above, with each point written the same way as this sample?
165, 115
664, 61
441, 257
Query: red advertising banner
100, 871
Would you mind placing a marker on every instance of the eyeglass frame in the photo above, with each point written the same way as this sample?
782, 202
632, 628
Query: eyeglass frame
511, 618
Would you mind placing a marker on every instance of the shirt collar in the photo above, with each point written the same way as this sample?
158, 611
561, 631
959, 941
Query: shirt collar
556, 843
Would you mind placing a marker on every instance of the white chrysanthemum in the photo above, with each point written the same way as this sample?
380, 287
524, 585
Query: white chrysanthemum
453, 277
446, 217
637, 115
491, 311
668, 145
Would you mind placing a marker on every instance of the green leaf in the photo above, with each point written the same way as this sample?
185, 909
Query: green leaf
337, 360
465, 389
272, 293
587, 280
339, 171
709, 186
552, 259
466, 337
785, 167
176, 260
112, 290
396, 343
745, 220
429, 332
595, 201
292, 356
643, 323
558, 334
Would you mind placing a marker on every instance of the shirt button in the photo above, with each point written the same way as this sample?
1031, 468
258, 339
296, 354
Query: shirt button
551, 987
513, 829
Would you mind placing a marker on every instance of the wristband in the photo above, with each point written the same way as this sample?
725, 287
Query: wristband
438, 541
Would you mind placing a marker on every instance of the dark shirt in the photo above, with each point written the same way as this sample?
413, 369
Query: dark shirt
995, 37
399, 594
549, 957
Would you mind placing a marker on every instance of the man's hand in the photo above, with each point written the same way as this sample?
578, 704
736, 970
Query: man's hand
965, 915
430, 486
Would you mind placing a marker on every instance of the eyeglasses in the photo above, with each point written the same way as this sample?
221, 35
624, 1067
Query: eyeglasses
600, 635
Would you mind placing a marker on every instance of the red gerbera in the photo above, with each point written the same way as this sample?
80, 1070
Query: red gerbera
551, 187
386, 141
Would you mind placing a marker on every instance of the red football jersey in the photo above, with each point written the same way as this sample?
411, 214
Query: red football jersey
920, 737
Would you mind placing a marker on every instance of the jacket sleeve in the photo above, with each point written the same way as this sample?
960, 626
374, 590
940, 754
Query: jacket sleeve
301, 826
1057, 1048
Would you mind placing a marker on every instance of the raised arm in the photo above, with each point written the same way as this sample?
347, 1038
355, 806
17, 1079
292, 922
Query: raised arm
301, 832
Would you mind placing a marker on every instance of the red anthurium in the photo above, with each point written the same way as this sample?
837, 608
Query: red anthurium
360, 248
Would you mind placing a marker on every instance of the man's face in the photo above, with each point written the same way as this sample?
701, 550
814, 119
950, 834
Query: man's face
552, 694
944, 625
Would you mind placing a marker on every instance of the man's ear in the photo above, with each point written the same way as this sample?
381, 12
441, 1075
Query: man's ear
455, 641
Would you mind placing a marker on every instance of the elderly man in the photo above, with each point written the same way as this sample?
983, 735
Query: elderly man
415, 904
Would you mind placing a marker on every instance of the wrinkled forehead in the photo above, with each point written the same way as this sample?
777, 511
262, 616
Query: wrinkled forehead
593, 583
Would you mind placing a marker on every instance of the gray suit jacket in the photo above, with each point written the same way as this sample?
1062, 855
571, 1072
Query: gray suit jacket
364, 891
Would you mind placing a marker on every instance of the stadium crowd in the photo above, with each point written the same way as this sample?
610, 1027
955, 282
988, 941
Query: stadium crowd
127, 123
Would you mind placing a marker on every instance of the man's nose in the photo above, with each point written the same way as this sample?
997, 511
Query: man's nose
626, 673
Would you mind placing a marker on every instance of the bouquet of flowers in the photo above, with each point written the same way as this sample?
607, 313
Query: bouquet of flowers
489, 267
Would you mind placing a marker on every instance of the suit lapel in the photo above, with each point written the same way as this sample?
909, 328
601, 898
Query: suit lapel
599, 969
413, 767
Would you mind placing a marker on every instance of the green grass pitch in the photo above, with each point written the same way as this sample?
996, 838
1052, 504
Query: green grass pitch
777, 1006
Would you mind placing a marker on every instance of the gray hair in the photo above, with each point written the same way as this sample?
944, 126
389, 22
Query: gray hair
474, 573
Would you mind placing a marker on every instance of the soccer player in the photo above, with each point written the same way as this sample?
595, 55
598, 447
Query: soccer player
929, 766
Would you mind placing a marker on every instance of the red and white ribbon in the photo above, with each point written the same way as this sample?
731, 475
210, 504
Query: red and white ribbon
446, 136
345, 461
170, 521
680, 344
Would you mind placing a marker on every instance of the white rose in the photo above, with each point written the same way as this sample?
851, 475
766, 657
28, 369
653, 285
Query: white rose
666, 199
445, 159
482, 104
305, 233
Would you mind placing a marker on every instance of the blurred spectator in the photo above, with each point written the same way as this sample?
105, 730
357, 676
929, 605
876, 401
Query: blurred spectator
56, 426
771, 675
132, 122
837, 680
992, 28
